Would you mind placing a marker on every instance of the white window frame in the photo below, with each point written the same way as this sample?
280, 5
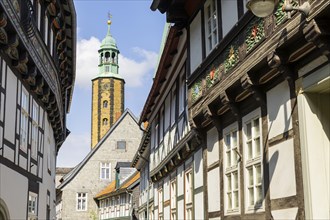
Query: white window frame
211, 25
46, 26
82, 198
34, 130
188, 194
24, 119
182, 92
39, 15
160, 204
253, 162
173, 186
231, 169
32, 205
105, 171
173, 106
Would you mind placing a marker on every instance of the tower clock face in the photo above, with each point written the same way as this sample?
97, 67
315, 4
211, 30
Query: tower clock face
106, 86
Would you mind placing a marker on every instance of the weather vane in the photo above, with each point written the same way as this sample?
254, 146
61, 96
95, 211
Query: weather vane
109, 17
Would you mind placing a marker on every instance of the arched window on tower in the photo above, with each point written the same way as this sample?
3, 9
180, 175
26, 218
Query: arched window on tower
105, 104
105, 121
101, 58
113, 56
107, 57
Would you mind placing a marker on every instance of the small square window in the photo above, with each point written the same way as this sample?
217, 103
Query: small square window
121, 145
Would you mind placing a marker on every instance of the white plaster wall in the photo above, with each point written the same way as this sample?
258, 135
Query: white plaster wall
198, 169
10, 106
285, 214
199, 206
195, 42
212, 146
279, 110
166, 213
180, 209
213, 191
281, 170
229, 15
15, 194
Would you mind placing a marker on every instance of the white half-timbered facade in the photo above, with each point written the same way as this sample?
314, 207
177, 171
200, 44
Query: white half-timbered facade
37, 64
257, 91
169, 157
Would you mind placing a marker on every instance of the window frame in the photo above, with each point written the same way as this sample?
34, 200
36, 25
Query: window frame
105, 171
33, 205
253, 162
188, 194
83, 197
24, 121
173, 192
34, 129
120, 142
209, 33
231, 169
160, 204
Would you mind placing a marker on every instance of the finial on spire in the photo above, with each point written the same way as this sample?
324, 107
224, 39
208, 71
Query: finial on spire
109, 18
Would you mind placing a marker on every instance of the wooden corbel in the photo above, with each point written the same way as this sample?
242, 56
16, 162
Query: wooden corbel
250, 86
278, 62
226, 101
318, 33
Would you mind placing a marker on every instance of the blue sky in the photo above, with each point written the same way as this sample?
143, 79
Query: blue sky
138, 32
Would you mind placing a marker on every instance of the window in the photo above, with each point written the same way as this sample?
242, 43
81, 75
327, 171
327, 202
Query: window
229, 15
182, 94
32, 205
46, 30
253, 162
39, 15
51, 44
105, 171
34, 132
173, 106
81, 201
121, 145
231, 170
105, 104
173, 200
211, 25
188, 195
160, 204
105, 121
107, 69
24, 119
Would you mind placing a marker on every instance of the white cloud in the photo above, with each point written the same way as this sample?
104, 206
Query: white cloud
134, 71
74, 150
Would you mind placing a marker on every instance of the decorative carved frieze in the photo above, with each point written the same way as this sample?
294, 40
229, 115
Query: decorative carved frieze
11, 48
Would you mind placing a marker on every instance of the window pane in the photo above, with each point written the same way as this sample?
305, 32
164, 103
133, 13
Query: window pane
228, 159
259, 194
250, 176
258, 174
249, 149
256, 127
251, 200
229, 183
235, 199
234, 138
257, 147
229, 201
248, 131
235, 176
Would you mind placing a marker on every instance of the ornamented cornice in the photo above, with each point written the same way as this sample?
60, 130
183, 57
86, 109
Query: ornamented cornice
243, 44
37, 51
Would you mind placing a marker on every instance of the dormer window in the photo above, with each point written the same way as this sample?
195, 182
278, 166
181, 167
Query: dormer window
101, 58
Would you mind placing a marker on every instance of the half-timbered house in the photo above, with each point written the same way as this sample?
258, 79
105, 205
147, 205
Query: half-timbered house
175, 160
258, 96
37, 63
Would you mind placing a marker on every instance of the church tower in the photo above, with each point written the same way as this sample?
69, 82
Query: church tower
107, 90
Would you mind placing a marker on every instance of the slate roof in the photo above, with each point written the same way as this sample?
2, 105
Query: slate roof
67, 178
111, 188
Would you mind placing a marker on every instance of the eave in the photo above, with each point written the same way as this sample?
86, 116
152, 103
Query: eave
160, 77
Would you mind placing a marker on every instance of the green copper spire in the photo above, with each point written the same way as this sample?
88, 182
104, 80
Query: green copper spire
108, 56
